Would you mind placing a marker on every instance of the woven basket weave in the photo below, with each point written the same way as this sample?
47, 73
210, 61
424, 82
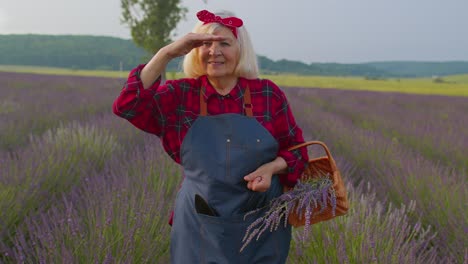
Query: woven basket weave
318, 167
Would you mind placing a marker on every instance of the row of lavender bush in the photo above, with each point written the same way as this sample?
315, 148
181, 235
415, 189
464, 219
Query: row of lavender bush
434, 126
399, 172
92, 189
32, 103
118, 214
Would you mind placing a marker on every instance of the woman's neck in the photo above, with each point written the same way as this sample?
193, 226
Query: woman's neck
223, 85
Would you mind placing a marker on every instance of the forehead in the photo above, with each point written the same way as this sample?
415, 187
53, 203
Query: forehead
218, 30
224, 31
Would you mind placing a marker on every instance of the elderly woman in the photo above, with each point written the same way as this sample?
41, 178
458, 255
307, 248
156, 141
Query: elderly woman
229, 130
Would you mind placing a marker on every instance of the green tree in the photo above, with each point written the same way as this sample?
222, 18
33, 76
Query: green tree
152, 22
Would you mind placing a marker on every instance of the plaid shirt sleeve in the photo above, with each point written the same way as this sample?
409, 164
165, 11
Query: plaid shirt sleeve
288, 134
151, 109
143, 107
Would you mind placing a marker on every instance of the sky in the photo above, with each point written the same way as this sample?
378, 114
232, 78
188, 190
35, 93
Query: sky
341, 31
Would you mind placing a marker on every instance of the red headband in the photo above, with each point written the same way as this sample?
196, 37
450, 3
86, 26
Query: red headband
230, 22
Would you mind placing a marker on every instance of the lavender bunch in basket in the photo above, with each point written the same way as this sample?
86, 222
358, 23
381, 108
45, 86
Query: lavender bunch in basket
308, 198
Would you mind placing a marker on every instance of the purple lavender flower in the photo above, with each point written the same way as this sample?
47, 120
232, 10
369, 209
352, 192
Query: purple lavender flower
307, 195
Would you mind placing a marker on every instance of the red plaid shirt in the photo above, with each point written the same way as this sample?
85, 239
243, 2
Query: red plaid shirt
169, 111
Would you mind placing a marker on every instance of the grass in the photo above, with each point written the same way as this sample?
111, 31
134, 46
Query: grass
456, 85
62, 71
463, 78
416, 85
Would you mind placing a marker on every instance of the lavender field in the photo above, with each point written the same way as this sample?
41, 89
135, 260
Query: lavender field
80, 185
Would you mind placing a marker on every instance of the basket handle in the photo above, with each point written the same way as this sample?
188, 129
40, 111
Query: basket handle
316, 142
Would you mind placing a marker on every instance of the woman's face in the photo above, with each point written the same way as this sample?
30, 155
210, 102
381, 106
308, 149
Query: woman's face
220, 58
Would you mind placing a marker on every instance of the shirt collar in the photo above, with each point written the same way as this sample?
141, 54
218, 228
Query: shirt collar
208, 90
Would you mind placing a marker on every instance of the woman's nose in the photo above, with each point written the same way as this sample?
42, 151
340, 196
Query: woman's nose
214, 50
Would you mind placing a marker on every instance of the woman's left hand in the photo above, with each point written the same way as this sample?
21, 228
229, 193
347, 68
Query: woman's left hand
260, 179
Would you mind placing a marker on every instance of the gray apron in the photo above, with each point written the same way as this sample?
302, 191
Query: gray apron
217, 152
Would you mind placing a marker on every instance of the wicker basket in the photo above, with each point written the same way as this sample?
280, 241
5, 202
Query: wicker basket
317, 167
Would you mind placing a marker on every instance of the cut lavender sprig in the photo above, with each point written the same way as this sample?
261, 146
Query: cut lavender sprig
307, 196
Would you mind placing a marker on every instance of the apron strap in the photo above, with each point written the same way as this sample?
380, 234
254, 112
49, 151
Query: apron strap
247, 103
203, 108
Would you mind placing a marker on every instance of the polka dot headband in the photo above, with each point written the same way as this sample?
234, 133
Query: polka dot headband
232, 23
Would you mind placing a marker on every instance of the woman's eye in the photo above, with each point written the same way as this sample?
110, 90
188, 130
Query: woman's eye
206, 43
225, 43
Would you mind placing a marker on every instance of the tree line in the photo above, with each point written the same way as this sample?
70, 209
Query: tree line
110, 53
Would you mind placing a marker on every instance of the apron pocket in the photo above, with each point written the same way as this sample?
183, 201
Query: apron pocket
202, 206
221, 238
221, 241
236, 150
